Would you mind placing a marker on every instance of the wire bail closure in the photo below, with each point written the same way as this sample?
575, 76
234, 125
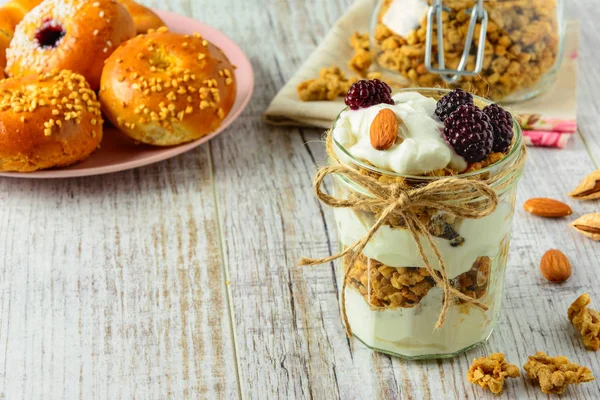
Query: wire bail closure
478, 14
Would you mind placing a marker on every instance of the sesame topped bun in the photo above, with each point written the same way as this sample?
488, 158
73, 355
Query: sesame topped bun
166, 88
47, 120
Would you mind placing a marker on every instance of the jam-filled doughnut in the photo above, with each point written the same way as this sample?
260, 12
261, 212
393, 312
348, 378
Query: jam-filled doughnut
47, 120
11, 13
165, 88
76, 35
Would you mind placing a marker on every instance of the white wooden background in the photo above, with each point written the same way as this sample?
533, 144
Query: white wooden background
178, 280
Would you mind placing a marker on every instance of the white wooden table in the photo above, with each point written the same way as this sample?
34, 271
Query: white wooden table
178, 280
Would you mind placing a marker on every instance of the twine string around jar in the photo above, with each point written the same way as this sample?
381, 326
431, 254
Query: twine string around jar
463, 198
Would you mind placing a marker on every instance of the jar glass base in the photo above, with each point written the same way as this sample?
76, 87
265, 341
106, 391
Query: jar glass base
426, 356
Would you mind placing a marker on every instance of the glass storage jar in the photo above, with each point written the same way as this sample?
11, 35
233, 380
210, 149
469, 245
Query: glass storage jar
392, 304
517, 58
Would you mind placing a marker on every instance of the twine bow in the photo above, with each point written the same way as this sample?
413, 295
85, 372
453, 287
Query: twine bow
460, 197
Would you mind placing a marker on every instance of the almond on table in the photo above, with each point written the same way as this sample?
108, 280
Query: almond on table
555, 266
545, 207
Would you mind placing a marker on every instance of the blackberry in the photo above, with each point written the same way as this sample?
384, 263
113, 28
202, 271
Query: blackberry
502, 126
450, 102
469, 132
364, 93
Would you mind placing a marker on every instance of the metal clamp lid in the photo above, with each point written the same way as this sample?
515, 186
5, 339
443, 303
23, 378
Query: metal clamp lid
478, 14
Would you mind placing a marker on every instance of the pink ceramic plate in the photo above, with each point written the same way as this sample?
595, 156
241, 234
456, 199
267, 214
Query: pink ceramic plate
118, 153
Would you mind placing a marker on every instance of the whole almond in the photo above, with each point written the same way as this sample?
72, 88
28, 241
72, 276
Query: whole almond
544, 207
384, 129
555, 266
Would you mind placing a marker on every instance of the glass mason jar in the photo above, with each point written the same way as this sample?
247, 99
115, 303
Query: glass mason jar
517, 58
392, 303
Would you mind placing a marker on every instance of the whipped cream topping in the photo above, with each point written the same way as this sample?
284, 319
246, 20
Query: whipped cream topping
405, 16
422, 148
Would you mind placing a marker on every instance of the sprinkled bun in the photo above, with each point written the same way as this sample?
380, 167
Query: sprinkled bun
48, 120
165, 88
143, 18
77, 35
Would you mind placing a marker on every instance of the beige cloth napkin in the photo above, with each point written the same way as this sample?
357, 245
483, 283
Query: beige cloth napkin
558, 104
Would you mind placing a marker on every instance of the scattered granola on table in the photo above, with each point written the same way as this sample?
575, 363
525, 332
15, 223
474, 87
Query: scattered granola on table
586, 321
491, 372
361, 61
554, 374
330, 84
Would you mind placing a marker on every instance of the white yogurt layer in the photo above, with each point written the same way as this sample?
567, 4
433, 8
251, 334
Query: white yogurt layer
410, 331
395, 247
422, 148
405, 16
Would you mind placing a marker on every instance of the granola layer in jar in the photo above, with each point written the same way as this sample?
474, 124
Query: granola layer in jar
522, 52
392, 302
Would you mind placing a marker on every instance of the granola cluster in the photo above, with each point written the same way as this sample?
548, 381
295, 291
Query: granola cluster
522, 45
492, 158
388, 287
383, 286
491, 372
474, 282
586, 321
554, 374
361, 61
330, 84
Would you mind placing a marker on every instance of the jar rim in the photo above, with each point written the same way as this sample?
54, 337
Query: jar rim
514, 153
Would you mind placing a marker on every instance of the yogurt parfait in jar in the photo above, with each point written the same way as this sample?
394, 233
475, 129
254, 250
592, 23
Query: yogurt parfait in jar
424, 187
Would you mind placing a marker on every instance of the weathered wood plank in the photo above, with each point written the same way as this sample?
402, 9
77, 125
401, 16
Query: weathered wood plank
112, 287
